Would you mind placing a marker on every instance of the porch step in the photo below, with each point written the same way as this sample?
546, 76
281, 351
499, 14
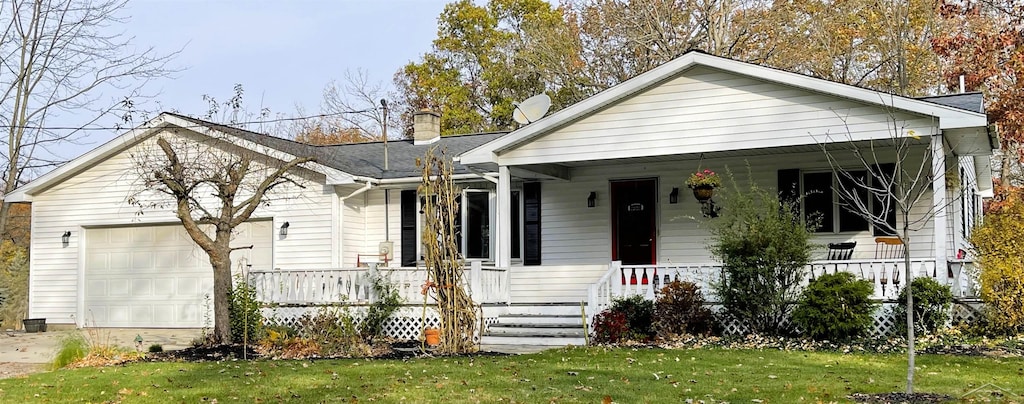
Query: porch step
554, 309
536, 329
568, 320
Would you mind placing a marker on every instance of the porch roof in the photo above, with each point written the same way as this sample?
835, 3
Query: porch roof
959, 114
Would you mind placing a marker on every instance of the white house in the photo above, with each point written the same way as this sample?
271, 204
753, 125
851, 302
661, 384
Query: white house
568, 209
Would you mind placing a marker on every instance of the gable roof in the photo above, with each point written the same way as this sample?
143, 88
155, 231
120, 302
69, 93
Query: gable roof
949, 117
340, 163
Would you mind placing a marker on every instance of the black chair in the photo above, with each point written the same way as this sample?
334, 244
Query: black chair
840, 251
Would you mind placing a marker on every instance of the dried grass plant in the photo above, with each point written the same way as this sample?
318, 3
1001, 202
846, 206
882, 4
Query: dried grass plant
441, 254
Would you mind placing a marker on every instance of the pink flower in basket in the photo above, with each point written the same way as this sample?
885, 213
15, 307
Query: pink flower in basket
705, 178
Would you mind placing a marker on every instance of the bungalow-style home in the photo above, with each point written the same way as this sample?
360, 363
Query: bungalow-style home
569, 211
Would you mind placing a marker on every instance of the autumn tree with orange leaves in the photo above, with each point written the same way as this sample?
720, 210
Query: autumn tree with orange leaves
983, 41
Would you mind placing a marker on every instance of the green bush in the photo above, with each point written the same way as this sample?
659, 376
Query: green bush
246, 318
639, 314
156, 348
931, 306
835, 307
764, 246
680, 310
388, 301
627, 319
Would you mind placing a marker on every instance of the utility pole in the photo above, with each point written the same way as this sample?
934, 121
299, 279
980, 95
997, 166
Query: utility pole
384, 130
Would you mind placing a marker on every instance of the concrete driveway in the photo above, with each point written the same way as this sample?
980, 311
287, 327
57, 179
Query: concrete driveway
21, 347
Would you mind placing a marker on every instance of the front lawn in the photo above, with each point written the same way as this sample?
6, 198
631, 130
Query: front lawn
586, 375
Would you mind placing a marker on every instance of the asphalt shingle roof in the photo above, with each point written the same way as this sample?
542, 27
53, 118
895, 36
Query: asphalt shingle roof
363, 159
974, 102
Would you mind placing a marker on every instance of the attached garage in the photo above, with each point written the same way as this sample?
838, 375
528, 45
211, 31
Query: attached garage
155, 276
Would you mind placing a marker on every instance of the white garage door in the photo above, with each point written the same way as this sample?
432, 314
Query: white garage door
155, 276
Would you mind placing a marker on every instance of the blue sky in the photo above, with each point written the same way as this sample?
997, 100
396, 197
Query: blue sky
282, 52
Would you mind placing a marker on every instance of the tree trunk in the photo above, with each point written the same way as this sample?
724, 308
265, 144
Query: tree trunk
221, 261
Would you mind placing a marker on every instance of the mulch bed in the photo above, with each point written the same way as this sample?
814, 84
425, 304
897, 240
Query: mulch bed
900, 398
398, 350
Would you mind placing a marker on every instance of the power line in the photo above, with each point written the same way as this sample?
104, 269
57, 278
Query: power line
233, 124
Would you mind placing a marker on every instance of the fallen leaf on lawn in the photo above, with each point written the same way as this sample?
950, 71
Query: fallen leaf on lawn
606, 400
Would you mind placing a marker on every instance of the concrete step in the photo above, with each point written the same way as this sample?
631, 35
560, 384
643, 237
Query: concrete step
551, 309
571, 320
534, 330
532, 340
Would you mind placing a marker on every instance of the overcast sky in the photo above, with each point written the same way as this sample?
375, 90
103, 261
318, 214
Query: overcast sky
282, 52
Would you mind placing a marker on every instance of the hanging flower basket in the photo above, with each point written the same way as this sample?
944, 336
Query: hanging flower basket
703, 184
703, 193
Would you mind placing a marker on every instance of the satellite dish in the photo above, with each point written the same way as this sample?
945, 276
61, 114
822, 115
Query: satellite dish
531, 109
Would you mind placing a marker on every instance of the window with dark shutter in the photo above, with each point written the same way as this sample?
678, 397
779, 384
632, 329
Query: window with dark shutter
516, 225
409, 214
531, 223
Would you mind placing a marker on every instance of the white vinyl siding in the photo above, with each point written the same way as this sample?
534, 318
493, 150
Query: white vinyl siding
705, 110
575, 236
98, 196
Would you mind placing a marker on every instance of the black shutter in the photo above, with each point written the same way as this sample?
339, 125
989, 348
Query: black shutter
789, 188
409, 212
531, 223
887, 171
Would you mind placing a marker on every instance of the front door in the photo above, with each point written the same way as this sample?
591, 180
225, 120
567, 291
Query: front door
634, 221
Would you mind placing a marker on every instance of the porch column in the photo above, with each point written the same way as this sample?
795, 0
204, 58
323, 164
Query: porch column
503, 249
939, 203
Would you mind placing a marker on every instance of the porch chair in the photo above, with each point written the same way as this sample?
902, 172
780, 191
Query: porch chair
840, 251
889, 248
836, 252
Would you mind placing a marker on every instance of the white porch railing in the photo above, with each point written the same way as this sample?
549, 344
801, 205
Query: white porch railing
888, 276
487, 284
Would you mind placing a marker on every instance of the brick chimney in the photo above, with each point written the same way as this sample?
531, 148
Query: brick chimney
426, 127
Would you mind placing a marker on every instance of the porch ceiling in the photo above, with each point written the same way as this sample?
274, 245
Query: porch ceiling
716, 154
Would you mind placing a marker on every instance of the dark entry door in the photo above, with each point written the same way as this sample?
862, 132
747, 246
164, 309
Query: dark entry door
634, 221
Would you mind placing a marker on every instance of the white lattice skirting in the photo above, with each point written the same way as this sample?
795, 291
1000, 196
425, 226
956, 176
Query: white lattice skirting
406, 324
884, 324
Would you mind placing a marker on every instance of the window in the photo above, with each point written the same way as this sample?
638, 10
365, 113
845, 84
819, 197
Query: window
477, 228
475, 224
818, 199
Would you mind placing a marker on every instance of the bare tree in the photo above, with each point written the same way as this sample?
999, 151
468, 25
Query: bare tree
63, 57
879, 178
213, 187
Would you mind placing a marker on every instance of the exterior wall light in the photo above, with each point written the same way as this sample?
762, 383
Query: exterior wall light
284, 229
592, 200
673, 197
65, 238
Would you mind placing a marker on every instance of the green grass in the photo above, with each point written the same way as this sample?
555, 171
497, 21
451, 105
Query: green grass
562, 375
